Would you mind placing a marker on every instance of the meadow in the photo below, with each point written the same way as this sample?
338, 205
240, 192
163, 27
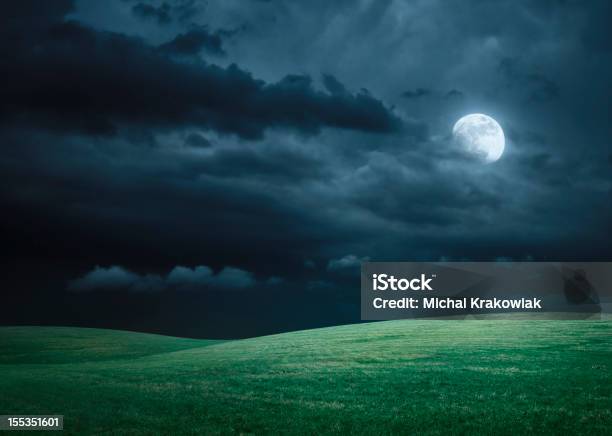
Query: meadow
426, 376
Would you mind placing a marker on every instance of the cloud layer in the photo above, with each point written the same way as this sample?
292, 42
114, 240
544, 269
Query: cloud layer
117, 278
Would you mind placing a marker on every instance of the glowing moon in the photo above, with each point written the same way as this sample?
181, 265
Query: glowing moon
481, 136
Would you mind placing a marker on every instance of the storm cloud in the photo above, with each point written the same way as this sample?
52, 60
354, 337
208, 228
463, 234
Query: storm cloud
120, 80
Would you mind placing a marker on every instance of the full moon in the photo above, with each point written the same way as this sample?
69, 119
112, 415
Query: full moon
480, 136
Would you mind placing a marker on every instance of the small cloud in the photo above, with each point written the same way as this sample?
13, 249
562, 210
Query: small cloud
184, 277
116, 278
417, 93
348, 261
454, 93
193, 42
230, 277
202, 276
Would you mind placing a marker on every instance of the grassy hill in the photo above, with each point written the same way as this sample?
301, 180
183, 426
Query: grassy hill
438, 377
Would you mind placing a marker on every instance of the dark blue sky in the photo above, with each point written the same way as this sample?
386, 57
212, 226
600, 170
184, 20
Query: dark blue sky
220, 168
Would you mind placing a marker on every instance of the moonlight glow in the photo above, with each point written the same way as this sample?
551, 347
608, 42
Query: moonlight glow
480, 136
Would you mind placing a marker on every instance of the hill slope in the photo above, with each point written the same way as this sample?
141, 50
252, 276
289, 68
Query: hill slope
73, 345
400, 376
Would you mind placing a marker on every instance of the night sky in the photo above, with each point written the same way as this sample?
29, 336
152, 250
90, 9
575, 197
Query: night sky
221, 168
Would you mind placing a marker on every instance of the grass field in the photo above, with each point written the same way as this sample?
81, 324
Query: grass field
437, 377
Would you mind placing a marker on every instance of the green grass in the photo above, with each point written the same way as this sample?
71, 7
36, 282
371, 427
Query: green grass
438, 377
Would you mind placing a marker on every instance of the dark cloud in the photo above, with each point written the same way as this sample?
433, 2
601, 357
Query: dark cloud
159, 13
164, 13
193, 42
333, 85
123, 81
185, 10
